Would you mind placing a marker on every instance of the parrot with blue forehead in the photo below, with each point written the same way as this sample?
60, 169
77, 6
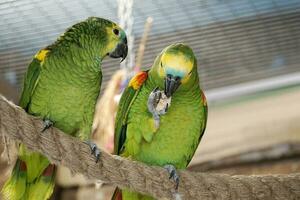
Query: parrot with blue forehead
61, 85
162, 115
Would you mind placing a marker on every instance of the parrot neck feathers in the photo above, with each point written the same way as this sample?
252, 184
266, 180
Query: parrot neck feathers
82, 36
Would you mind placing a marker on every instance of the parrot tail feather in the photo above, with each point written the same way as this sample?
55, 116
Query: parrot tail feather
43, 185
15, 186
18, 186
117, 194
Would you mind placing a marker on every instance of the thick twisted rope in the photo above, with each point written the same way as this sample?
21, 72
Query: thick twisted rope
63, 149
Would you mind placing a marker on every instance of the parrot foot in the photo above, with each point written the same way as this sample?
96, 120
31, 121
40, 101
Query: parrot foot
153, 100
158, 104
94, 149
173, 175
47, 124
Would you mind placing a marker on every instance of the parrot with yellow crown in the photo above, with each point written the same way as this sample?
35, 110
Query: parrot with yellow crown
162, 115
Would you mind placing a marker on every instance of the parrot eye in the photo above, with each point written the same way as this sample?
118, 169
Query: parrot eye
161, 65
116, 32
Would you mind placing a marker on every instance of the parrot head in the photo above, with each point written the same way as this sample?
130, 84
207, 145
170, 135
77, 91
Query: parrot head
106, 37
115, 37
176, 66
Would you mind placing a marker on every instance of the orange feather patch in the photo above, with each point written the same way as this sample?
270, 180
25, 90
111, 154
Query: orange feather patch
137, 81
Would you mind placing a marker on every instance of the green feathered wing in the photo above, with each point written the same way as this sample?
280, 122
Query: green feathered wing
126, 101
33, 175
205, 116
31, 79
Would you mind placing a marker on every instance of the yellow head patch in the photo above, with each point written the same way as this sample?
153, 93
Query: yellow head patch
177, 64
114, 33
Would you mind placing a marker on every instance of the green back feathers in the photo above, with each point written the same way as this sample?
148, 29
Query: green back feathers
93, 29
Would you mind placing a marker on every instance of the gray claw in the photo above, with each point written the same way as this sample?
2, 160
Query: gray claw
167, 108
47, 124
94, 150
156, 89
153, 99
173, 175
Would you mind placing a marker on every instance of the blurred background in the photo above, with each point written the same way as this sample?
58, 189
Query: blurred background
248, 55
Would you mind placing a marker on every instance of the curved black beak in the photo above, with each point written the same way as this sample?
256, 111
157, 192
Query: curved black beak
171, 84
120, 51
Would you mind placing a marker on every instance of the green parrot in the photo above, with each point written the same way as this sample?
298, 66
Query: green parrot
61, 86
162, 115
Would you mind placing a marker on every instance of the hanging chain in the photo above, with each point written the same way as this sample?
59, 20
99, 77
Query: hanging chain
126, 22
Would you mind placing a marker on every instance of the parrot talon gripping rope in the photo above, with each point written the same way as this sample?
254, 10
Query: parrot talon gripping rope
47, 124
94, 150
173, 175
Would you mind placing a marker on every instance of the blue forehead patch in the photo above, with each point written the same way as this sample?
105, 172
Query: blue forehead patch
175, 72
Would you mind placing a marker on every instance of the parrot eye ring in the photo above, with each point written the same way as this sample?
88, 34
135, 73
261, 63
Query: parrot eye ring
116, 32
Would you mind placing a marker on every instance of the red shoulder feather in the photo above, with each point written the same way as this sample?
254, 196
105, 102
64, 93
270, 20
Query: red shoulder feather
203, 98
